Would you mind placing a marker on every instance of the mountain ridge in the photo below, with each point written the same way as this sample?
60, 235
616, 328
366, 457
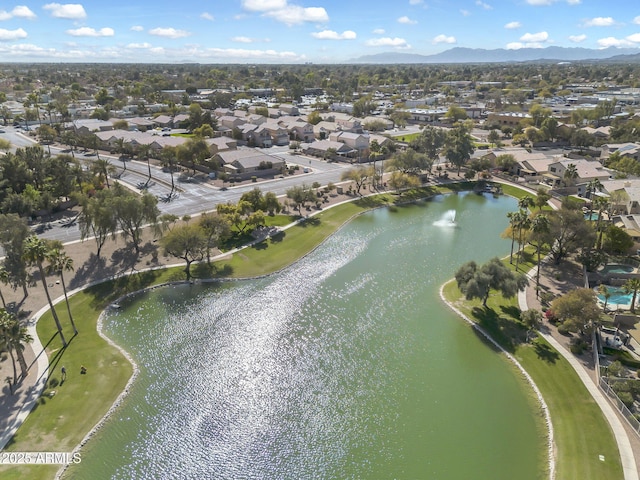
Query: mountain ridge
501, 55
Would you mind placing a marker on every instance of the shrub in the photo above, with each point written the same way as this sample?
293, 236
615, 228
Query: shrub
626, 398
563, 329
615, 369
549, 315
578, 346
254, 179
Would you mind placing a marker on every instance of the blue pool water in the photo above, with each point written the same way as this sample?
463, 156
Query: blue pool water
618, 297
617, 268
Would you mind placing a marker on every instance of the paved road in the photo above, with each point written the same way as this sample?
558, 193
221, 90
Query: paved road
193, 197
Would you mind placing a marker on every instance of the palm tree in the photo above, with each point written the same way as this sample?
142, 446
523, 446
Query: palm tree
542, 197
604, 291
103, 168
120, 148
526, 202
13, 337
168, 159
570, 174
4, 279
144, 151
601, 203
632, 286
59, 262
513, 221
539, 228
594, 186
523, 226
36, 251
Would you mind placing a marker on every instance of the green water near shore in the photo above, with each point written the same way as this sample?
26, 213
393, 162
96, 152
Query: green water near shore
345, 365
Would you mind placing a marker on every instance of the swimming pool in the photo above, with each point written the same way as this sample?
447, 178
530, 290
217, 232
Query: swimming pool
616, 268
617, 297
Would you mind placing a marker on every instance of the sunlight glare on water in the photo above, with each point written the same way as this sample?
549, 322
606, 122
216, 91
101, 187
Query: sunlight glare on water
345, 365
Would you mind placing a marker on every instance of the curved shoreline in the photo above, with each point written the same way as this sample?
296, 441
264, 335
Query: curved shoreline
525, 374
135, 373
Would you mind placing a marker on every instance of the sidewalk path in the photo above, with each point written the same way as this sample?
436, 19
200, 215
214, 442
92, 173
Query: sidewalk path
624, 445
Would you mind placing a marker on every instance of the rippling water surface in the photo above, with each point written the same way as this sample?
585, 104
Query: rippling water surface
345, 365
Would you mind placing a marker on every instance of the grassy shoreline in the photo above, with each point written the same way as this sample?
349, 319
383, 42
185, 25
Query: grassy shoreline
60, 422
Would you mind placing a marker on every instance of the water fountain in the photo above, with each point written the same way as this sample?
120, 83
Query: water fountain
448, 219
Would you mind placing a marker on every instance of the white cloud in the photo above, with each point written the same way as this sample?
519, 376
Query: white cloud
637, 20
406, 20
139, 45
614, 42
534, 37
73, 11
91, 32
599, 22
331, 35
234, 53
242, 39
8, 35
169, 32
415, 2
387, 42
294, 15
635, 38
443, 39
465, 13
378, 31
18, 12
512, 25
206, 16
264, 5
577, 38
515, 46
486, 6
137, 28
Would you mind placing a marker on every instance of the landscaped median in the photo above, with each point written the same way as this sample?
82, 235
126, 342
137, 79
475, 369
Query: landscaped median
584, 444
66, 413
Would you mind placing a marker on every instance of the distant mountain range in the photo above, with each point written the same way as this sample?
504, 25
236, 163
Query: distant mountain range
501, 55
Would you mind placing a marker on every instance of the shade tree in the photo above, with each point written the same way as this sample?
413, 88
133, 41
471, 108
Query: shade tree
477, 281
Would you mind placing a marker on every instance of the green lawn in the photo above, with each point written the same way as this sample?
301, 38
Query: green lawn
581, 432
59, 423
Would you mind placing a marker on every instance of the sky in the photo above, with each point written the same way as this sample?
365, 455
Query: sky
298, 31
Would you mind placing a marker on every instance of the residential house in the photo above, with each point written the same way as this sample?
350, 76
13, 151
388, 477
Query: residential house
586, 170
279, 134
298, 129
222, 112
288, 109
356, 141
329, 149
231, 122
256, 135
90, 125
142, 124
510, 119
245, 163
323, 129
163, 121
631, 150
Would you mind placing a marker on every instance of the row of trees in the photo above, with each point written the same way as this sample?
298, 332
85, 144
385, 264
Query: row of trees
23, 251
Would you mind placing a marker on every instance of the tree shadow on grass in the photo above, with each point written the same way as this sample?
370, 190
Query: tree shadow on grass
310, 222
506, 331
513, 312
545, 352
278, 237
106, 292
